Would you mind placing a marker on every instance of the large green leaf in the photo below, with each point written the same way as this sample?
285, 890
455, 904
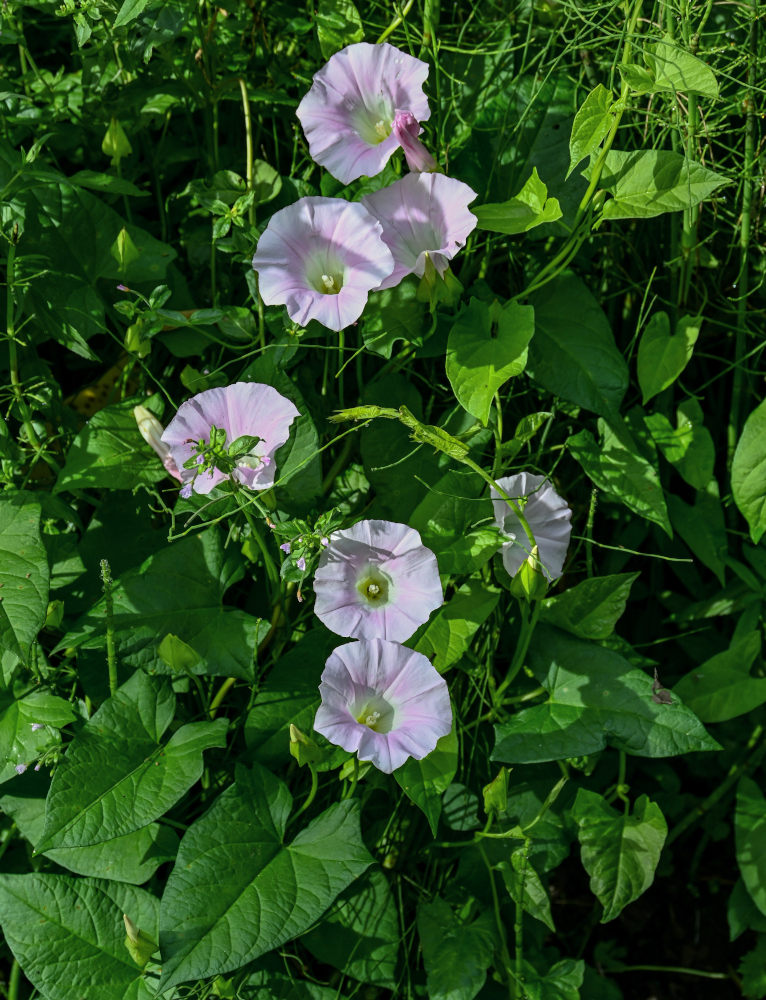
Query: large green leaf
487, 345
750, 835
593, 120
132, 858
674, 69
265, 892
573, 353
456, 953
595, 699
662, 356
702, 527
20, 743
619, 850
688, 446
53, 214
618, 466
752, 970
592, 607
360, 934
721, 688
748, 472
117, 774
394, 314
425, 781
68, 934
561, 981
24, 574
110, 452
338, 24
531, 207
449, 633
524, 886
178, 590
647, 182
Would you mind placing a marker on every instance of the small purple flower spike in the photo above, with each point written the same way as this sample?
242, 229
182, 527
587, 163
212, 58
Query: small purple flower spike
423, 215
348, 114
406, 129
376, 580
242, 409
321, 257
383, 701
548, 517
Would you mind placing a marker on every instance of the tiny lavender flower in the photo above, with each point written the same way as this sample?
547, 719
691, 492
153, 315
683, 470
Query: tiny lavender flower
321, 257
151, 431
424, 216
285, 546
548, 517
383, 701
301, 563
376, 580
21, 768
348, 114
35, 726
406, 129
235, 430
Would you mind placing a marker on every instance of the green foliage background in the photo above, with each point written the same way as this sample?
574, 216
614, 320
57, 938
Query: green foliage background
606, 766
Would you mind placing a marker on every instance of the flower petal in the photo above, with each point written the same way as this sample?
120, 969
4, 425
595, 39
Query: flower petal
321, 257
422, 213
352, 102
394, 555
548, 516
379, 671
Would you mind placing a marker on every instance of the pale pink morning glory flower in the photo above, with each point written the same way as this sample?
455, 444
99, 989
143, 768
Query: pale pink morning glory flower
321, 257
151, 431
376, 580
244, 409
348, 114
406, 129
383, 701
548, 517
423, 216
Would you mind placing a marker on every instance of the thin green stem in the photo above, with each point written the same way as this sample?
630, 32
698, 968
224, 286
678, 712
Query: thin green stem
498, 438
312, 791
528, 623
271, 568
518, 928
505, 953
13, 355
14, 980
111, 656
735, 772
248, 145
678, 969
403, 12
589, 532
738, 384
220, 694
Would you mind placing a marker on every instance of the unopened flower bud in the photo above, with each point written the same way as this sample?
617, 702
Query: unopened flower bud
529, 583
151, 430
406, 129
